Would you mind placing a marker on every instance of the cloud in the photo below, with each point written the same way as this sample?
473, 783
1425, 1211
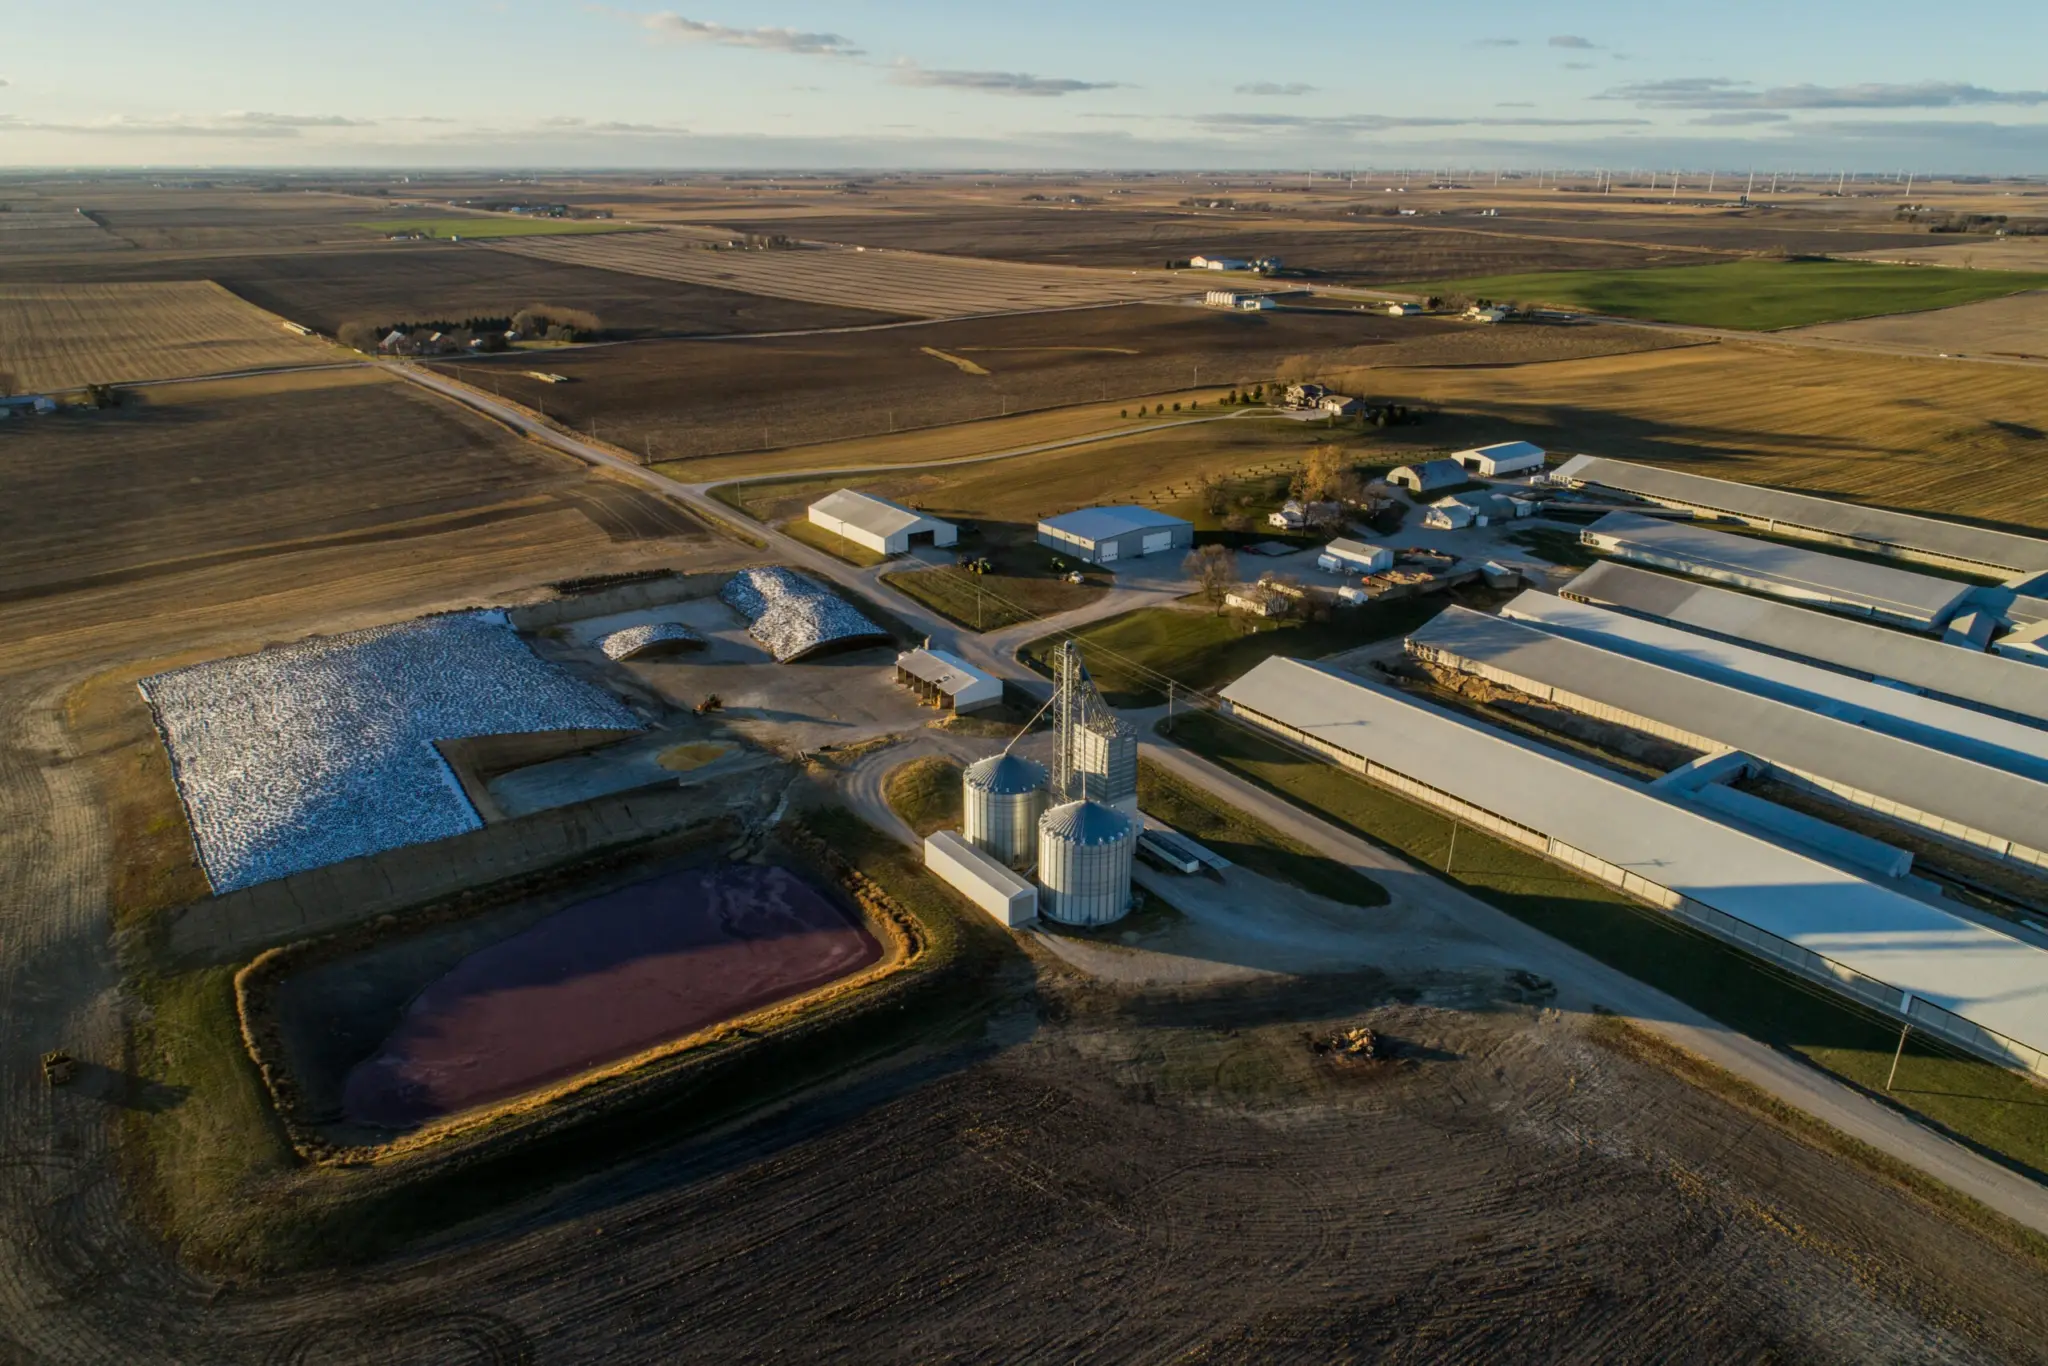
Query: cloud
675, 28
1379, 123
1496, 42
994, 82
1715, 92
1574, 42
611, 127
1275, 88
234, 124
1737, 118
1578, 66
1516, 104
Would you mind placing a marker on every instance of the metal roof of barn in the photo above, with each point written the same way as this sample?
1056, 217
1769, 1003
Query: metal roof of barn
1994, 549
1978, 973
1949, 786
876, 516
948, 673
1985, 680
1895, 592
1107, 523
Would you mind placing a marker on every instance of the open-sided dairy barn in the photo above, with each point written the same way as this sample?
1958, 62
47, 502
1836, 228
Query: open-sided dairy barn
1783, 571
2004, 686
1985, 809
1923, 720
1822, 519
1973, 986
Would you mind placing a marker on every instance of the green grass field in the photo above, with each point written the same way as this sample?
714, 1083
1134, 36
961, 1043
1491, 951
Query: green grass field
445, 228
831, 542
1200, 649
1021, 584
1755, 296
1985, 1105
925, 793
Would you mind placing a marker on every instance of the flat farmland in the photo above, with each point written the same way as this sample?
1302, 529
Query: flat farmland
1920, 435
425, 281
1962, 252
887, 281
33, 231
1754, 295
175, 220
1350, 250
62, 336
263, 486
676, 399
2013, 326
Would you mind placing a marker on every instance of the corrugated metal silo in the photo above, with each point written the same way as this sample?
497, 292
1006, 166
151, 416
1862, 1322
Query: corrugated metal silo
1084, 863
1001, 799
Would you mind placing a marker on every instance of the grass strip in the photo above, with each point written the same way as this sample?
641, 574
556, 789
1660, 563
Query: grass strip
1998, 1112
811, 534
1755, 296
925, 793
1248, 842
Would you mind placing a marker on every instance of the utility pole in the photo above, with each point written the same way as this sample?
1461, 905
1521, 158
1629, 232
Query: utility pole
1901, 1050
1452, 853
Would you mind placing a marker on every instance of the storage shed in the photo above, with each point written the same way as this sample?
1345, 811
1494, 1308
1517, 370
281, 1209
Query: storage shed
879, 525
1346, 556
1504, 457
947, 681
1429, 476
1105, 535
1003, 894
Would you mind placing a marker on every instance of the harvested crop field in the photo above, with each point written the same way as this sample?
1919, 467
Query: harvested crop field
926, 286
428, 281
1340, 250
199, 494
604, 980
62, 336
679, 399
226, 220
1968, 252
34, 231
2013, 326
1920, 435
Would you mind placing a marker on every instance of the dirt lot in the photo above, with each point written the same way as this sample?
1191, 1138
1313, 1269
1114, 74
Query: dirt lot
684, 399
925, 286
2013, 326
202, 494
1921, 435
62, 336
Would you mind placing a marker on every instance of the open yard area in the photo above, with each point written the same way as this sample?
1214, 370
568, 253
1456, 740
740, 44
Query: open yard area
689, 398
886, 281
1920, 435
2016, 325
1982, 1103
1750, 295
63, 336
1022, 582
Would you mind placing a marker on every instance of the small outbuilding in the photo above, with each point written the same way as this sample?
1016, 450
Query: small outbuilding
1346, 556
879, 525
946, 681
1404, 310
1105, 535
1475, 509
1505, 457
1218, 263
1430, 476
1008, 898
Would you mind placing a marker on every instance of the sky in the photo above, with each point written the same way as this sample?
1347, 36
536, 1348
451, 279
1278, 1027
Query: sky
1868, 85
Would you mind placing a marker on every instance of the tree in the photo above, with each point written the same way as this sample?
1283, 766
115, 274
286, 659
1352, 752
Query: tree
360, 336
1215, 496
1214, 569
1327, 474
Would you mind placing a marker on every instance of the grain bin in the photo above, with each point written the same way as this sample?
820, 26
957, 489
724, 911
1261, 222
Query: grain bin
1084, 863
1001, 799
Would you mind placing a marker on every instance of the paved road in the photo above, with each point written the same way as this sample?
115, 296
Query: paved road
1791, 1081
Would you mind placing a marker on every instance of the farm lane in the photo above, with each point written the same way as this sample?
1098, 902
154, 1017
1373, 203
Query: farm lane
1756, 1062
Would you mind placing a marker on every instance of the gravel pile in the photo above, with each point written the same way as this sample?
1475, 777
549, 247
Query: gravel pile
635, 639
311, 753
792, 615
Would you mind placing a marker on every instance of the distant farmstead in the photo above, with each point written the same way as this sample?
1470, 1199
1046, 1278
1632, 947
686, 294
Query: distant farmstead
1105, 535
879, 525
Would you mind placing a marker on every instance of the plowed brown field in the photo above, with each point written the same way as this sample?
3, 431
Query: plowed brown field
62, 336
